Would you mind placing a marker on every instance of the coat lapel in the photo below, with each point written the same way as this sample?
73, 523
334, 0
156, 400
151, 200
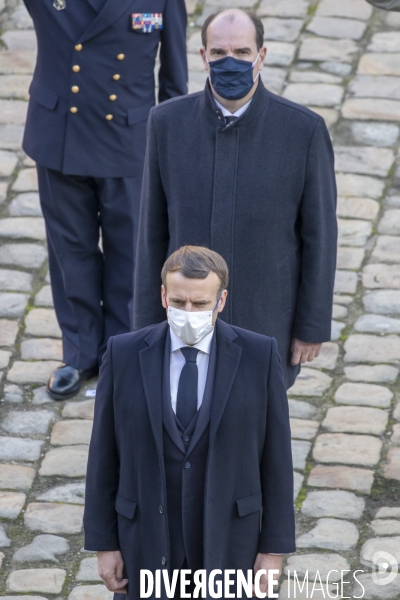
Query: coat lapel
151, 367
110, 12
168, 415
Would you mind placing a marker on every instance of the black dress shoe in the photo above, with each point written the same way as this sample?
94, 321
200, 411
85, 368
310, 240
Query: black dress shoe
65, 382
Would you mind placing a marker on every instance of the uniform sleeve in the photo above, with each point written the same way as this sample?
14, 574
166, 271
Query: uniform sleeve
100, 517
312, 321
386, 4
173, 74
153, 239
278, 523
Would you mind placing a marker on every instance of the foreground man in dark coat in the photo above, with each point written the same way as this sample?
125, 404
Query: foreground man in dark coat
259, 189
187, 450
90, 96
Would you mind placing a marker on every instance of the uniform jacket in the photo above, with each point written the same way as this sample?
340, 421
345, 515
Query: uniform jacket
262, 193
249, 465
85, 47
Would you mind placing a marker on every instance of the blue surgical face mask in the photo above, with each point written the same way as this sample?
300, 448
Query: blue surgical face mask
232, 78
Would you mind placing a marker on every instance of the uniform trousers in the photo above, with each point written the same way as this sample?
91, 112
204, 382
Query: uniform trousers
91, 227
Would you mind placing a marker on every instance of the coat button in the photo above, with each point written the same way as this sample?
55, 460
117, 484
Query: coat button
78, 47
188, 465
76, 68
75, 89
161, 509
73, 109
116, 77
109, 117
121, 56
186, 438
112, 97
163, 560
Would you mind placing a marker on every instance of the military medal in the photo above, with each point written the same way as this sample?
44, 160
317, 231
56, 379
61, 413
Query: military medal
147, 22
59, 4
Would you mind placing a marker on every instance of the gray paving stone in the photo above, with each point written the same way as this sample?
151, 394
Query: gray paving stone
396, 412
42, 548
375, 86
297, 484
373, 349
88, 570
310, 382
353, 232
42, 348
347, 449
345, 282
47, 581
10, 134
14, 448
303, 429
350, 258
384, 41
364, 160
332, 534
370, 590
348, 478
283, 8
336, 329
20, 62
337, 28
359, 186
357, 208
392, 467
336, 68
393, 200
379, 64
329, 115
40, 396
376, 134
15, 87
21, 18
25, 205
364, 394
75, 431
377, 324
42, 321
381, 276
27, 422
20, 40
90, 592
313, 77
71, 493
15, 477
26, 181
54, 518
44, 297
29, 256
379, 544
395, 437
317, 94
339, 311
8, 162
23, 227
385, 527
13, 111
354, 419
324, 49
13, 394
313, 563
356, 9
385, 302
68, 461
4, 358
280, 53
390, 222
371, 109
3, 188
38, 371
301, 410
4, 540
316, 591
79, 410
282, 30
387, 512
15, 280
342, 299
300, 452
392, 19
12, 304
337, 503
376, 373
11, 504
274, 79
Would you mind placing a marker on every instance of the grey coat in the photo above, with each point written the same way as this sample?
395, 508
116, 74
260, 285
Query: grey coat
262, 193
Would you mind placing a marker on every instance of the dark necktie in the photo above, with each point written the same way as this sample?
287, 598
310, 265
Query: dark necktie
229, 120
186, 400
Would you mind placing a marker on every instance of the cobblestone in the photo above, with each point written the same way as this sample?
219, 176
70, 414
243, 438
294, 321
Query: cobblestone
42, 547
338, 503
332, 534
367, 394
347, 449
68, 461
54, 518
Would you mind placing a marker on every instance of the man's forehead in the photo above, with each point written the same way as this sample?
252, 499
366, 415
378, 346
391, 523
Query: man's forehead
238, 32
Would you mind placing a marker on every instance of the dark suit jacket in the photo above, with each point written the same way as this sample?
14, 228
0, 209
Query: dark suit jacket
262, 193
85, 143
249, 465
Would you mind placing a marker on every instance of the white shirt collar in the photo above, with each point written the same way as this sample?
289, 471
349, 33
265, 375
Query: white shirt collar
203, 345
226, 112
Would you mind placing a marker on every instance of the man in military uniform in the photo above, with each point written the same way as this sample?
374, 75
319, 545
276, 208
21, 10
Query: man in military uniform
90, 96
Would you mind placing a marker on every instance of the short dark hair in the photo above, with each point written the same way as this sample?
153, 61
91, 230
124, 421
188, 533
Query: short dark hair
258, 26
196, 262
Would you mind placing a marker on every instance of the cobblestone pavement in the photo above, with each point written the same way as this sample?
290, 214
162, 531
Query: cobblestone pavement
341, 58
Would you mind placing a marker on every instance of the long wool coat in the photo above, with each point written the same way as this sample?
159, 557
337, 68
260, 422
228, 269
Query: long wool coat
262, 193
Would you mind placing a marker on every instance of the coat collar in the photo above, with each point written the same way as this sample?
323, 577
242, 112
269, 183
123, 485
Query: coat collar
111, 11
259, 103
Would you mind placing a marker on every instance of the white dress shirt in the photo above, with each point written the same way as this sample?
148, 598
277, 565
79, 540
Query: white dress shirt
177, 360
238, 113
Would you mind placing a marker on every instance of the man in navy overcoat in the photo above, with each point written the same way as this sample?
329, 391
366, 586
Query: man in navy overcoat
91, 93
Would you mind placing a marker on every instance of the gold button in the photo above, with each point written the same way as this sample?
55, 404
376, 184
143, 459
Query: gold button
78, 47
76, 68
73, 109
109, 117
75, 89
121, 56
112, 97
116, 77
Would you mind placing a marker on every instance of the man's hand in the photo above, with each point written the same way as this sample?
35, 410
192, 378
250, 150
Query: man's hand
303, 351
267, 561
111, 567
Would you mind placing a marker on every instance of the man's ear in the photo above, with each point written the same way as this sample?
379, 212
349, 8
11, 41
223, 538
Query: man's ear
263, 54
222, 301
204, 57
163, 297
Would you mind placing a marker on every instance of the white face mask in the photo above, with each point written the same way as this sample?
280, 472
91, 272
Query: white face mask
191, 327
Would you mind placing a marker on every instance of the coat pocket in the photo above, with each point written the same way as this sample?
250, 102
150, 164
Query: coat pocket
285, 285
249, 504
125, 507
44, 97
138, 114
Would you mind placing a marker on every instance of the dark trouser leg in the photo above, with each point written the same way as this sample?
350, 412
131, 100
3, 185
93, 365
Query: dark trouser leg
119, 215
70, 208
